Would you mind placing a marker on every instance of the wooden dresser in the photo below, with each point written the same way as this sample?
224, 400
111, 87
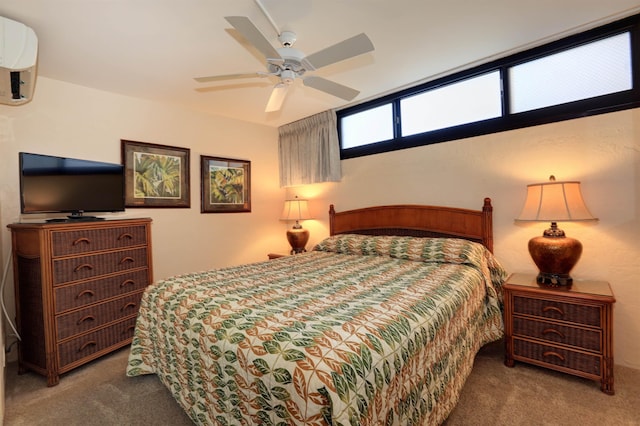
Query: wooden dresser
569, 330
77, 290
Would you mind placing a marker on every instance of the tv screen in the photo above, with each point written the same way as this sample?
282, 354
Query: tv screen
51, 184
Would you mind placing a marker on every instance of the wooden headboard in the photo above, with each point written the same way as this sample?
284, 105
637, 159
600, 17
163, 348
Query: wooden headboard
416, 220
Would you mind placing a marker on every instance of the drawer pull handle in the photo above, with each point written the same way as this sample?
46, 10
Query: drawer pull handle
127, 282
127, 259
555, 354
90, 343
85, 292
81, 240
128, 305
87, 318
552, 309
552, 331
83, 266
127, 236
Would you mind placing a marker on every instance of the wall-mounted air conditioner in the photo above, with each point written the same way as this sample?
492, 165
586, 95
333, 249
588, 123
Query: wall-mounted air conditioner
18, 57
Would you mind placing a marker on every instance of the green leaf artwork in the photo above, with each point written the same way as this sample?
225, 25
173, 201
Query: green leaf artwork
156, 176
227, 185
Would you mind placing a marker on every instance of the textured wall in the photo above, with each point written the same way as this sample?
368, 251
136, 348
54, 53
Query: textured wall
603, 152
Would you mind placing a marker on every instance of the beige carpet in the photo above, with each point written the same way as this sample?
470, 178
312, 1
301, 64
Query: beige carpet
100, 394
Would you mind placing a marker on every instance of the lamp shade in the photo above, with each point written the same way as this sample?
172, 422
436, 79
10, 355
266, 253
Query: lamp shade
554, 202
295, 209
554, 253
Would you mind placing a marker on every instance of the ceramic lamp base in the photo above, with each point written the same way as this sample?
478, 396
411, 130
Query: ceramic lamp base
297, 238
555, 257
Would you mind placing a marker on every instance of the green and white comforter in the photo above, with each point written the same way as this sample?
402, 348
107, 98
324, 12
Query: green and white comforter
361, 331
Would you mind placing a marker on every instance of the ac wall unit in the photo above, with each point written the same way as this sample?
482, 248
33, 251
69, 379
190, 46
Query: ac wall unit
18, 57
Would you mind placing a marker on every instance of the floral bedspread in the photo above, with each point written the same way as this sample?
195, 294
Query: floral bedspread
360, 331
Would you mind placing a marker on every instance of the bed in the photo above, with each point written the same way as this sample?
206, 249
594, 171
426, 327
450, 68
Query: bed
378, 324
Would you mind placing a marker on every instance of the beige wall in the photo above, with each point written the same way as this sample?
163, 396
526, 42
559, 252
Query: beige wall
74, 121
603, 152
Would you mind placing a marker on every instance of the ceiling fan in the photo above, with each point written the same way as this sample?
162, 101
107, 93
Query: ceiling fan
288, 63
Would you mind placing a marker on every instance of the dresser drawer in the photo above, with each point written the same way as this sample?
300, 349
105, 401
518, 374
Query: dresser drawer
88, 240
112, 337
570, 312
79, 268
86, 293
579, 337
82, 320
559, 357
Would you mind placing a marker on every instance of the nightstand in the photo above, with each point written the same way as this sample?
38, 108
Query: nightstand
272, 256
568, 330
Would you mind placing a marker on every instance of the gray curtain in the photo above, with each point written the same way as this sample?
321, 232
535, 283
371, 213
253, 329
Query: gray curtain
309, 150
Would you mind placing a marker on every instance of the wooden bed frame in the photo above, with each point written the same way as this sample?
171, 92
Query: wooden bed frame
419, 221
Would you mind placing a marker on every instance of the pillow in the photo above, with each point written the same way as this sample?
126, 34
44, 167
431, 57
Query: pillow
429, 250
355, 244
445, 250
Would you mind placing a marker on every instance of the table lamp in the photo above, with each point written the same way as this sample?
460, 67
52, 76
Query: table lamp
296, 209
554, 253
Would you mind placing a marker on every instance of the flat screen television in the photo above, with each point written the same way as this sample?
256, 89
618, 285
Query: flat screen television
51, 184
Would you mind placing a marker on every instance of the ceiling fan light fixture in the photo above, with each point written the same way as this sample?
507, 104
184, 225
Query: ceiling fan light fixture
287, 76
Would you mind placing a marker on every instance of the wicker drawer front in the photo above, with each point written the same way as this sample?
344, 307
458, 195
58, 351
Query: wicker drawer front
585, 363
573, 336
84, 346
84, 241
578, 314
82, 320
79, 295
79, 268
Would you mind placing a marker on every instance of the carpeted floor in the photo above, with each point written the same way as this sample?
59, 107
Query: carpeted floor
100, 394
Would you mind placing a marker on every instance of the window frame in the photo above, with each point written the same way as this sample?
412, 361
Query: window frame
508, 121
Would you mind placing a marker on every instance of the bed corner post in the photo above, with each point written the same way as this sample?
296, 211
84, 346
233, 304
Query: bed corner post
487, 224
332, 214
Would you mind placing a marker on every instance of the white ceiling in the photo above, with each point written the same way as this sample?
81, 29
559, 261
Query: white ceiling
153, 48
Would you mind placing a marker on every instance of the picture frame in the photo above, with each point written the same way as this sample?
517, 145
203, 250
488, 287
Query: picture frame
225, 185
156, 175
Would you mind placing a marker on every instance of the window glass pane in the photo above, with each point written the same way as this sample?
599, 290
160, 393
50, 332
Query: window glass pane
594, 69
366, 127
468, 101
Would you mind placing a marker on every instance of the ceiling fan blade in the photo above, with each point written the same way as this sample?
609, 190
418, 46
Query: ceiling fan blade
247, 85
228, 77
253, 35
346, 49
277, 97
330, 87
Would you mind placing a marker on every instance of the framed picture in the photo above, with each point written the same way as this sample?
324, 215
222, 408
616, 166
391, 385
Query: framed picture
226, 185
155, 175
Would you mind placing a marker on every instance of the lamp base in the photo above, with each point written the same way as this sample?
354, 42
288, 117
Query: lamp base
555, 255
297, 238
554, 280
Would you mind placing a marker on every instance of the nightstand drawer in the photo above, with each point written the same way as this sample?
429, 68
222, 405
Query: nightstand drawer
570, 312
573, 336
554, 356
